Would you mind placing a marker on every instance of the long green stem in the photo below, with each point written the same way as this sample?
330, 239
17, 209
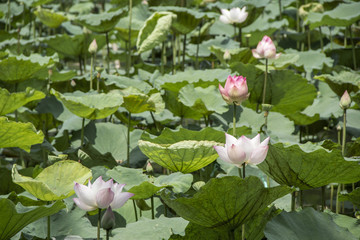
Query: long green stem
344, 134
183, 53
48, 228
107, 234
129, 46
265, 81
297, 23
243, 226
293, 198
108, 52
91, 71
234, 31
82, 132
353, 48
323, 198
197, 49
234, 120
301, 200
99, 224
240, 36
308, 37
337, 198
321, 40
128, 141
232, 234
331, 195
280, 9
173, 45
163, 57
135, 211
152, 208
331, 41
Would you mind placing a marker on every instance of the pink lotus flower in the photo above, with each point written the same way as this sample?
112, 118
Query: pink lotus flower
235, 91
93, 47
345, 100
265, 49
235, 15
101, 195
243, 150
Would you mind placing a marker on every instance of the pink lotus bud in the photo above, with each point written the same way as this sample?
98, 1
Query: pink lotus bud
108, 219
235, 91
93, 47
227, 55
235, 15
243, 150
149, 168
73, 83
265, 49
345, 100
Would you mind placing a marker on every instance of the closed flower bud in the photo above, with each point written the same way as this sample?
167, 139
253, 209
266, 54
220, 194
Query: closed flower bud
265, 49
93, 47
227, 55
149, 168
108, 219
345, 100
235, 91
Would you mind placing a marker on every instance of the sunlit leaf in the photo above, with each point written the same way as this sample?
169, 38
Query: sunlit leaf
339, 82
50, 18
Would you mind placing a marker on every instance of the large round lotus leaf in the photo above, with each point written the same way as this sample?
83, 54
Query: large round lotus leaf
203, 100
154, 31
138, 102
132, 177
90, 105
159, 228
9, 102
55, 182
16, 134
343, 15
200, 78
184, 150
287, 91
50, 18
353, 197
125, 82
21, 68
14, 218
342, 81
101, 23
307, 224
225, 203
308, 166
179, 182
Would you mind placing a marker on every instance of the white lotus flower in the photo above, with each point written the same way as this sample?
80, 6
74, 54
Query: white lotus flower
235, 15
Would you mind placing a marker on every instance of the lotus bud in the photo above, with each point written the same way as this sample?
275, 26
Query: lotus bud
93, 47
50, 72
266, 107
73, 83
345, 100
86, 30
227, 55
235, 91
265, 49
108, 219
338, 127
149, 168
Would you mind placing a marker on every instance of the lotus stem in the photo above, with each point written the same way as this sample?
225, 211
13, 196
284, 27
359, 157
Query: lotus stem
82, 133
353, 48
99, 224
135, 211
165, 210
323, 204
234, 120
155, 122
128, 141
293, 201
232, 234
321, 40
280, 9
240, 36
308, 37
98, 78
48, 227
108, 52
8, 24
331, 196
107, 234
297, 23
173, 45
265, 81
129, 53
243, 232
91, 71
197, 49
234, 32
344, 134
345, 38
331, 42
183, 53
301, 195
337, 198
152, 208
163, 57
80, 65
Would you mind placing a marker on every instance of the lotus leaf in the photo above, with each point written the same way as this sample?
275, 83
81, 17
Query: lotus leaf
203, 100
308, 166
339, 82
154, 31
90, 105
184, 150
307, 224
50, 18
353, 197
181, 183
225, 203
137, 102
125, 82
132, 177
12, 101
16, 134
55, 182
101, 23
14, 218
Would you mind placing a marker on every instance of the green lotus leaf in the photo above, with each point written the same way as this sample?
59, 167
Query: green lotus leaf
339, 82
307, 224
144, 190
179, 182
50, 18
137, 102
243, 55
183, 150
101, 23
12, 101
159, 228
353, 197
55, 182
131, 176
16, 134
21, 68
200, 78
298, 95
154, 31
125, 82
203, 100
14, 218
308, 166
35, 3
351, 223
343, 15
225, 203
82, 7
90, 105
62, 76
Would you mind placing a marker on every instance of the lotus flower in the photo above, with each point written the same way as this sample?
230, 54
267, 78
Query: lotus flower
235, 15
93, 47
108, 219
235, 91
101, 195
345, 100
265, 49
243, 150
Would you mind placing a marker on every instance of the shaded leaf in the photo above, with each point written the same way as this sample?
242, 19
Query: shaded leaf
50, 18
